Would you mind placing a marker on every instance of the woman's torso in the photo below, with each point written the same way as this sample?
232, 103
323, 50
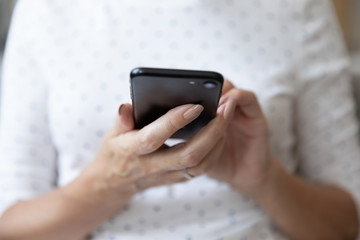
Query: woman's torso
88, 51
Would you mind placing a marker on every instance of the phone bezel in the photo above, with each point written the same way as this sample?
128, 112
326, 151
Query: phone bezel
182, 73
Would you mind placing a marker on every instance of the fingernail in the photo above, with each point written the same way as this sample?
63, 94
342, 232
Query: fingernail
221, 109
121, 109
193, 112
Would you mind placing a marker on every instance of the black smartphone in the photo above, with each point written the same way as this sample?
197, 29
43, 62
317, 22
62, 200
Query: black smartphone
154, 91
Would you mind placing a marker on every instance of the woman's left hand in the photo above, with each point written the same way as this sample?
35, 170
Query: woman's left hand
243, 158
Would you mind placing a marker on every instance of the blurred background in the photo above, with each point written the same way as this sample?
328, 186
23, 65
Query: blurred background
6, 7
349, 18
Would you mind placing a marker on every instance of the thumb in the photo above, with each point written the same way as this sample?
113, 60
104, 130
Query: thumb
124, 121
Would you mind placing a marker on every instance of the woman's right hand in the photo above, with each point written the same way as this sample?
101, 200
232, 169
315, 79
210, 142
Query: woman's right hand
130, 161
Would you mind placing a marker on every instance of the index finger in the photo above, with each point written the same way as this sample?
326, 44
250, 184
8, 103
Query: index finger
246, 101
153, 136
227, 86
192, 152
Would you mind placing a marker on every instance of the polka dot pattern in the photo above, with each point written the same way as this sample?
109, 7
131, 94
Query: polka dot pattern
65, 76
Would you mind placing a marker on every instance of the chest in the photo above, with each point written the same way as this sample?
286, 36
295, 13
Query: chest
89, 61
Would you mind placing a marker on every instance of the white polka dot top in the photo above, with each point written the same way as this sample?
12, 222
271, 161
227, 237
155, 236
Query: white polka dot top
66, 72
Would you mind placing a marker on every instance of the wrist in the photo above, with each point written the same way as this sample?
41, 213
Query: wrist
89, 191
270, 183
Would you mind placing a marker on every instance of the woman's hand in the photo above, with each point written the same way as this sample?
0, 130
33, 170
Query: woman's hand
130, 161
322, 211
245, 161
127, 162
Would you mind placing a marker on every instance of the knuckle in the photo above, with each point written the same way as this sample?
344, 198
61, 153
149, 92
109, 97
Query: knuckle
190, 159
172, 124
122, 152
243, 94
248, 94
147, 142
238, 93
252, 96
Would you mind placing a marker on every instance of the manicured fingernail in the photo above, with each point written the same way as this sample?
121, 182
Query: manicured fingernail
193, 112
121, 109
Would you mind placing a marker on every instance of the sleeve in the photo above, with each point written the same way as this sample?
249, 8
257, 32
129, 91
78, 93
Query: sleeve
327, 128
27, 155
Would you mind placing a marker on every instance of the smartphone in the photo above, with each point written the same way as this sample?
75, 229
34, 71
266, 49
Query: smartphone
154, 91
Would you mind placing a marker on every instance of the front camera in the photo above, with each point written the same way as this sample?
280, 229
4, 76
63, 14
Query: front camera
209, 84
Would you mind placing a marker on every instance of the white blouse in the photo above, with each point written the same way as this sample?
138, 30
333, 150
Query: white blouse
66, 71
